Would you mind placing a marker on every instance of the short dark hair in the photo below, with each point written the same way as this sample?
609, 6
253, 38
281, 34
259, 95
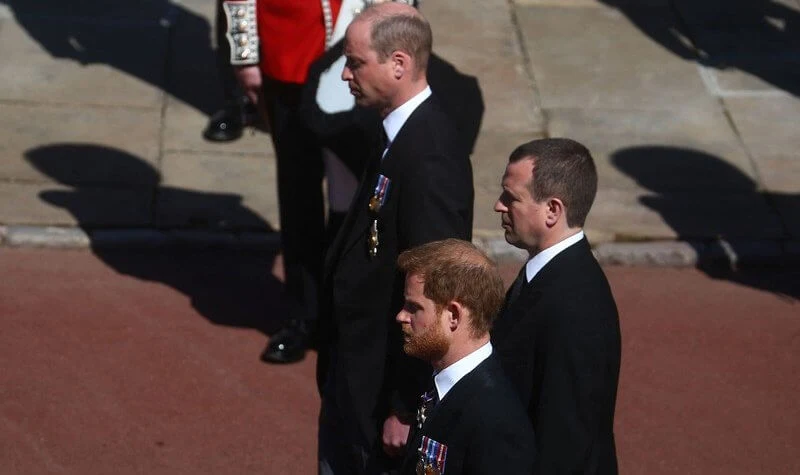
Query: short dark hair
455, 270
410, 33
563, 169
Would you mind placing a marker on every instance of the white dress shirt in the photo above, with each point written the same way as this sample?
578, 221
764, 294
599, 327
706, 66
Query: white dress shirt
448, 377
537, 262
395, 120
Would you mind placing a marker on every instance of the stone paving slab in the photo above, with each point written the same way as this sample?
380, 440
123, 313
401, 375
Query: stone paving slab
457, 26
484, 217
49, 60
686, 148
183, 127
56, 205
491, 155
769, 128
635, 215
508, 99
752, 78
494, 57
39, 143
202, 8
765, 123
780, 174
488, 165
201, 190
597, 58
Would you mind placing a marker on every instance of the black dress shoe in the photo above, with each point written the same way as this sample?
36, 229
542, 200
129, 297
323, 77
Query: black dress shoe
287, 345
225, 125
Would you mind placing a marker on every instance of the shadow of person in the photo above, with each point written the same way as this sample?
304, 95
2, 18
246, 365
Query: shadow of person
156, 41
759, 37
109, 187
705, 199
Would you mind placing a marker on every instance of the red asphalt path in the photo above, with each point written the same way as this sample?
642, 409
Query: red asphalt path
149, 364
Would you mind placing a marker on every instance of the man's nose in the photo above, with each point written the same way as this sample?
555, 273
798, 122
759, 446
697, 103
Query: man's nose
401, 317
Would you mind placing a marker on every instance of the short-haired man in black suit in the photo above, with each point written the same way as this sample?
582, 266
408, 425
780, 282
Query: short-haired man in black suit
417, 188
558, 333
470, 421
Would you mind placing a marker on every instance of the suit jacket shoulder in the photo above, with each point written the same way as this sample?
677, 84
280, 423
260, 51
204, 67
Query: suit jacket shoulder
435, 177
559, 343
482, 424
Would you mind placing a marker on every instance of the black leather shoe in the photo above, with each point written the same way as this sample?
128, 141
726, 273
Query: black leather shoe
288, 345
225, 125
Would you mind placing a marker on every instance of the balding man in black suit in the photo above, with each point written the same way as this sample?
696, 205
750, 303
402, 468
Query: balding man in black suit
417, 188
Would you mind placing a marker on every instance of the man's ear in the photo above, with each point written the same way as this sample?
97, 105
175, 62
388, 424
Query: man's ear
456, 315
555, 212
401, 62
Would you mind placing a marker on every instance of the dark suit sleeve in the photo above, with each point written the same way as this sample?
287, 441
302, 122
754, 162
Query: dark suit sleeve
575, 390
501, 446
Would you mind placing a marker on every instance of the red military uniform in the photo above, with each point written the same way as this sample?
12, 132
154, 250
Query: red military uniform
292, 36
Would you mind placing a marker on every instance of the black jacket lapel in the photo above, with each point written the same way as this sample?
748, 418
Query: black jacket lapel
360, 200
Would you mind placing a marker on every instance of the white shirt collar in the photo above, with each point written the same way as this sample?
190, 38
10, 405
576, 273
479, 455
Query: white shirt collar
395, 120
448, 377
537, 262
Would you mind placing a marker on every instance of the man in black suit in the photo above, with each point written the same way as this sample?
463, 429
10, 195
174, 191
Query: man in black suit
417, 188
471, 420
558, 333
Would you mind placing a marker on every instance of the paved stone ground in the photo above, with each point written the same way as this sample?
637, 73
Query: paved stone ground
147, 362
691, 115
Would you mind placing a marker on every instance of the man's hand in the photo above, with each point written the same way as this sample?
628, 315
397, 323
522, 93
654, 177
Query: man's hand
395, 433
249, 78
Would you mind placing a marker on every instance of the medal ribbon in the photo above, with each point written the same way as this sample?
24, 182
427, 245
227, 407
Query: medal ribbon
435, 452
381, 189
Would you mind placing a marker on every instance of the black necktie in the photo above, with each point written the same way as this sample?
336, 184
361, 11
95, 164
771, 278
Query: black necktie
384, 140
503, 321
373, 166
516, 287
427, 401
384, 144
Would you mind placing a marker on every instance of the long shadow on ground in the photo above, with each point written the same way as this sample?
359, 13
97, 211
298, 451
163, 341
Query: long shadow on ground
702, 198
105, 185
157, 41
759, 37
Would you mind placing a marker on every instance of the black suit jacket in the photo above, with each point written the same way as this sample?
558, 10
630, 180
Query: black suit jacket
559, 343
361, 363
483, 425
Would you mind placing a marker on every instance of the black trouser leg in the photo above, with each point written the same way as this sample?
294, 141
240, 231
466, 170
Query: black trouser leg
230, 87
300, 200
